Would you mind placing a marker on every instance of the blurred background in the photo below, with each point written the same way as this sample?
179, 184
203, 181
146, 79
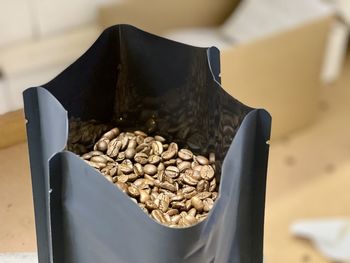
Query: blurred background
289, 57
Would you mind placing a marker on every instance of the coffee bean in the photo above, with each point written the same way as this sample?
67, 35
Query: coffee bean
133, 191
197, 203
111, 134
126, 166
132, 177
144, 196
192, 212
157, 147
172, 171
172, 212
208, 204
168, 154
141, 158
158, 216
171, 162
207, 172
159, 138
168, 186
202, 160
185, 154
140, 133
102, 145
120, 157
123, 178
138, 169
173, 147
161, 167
188, 179
98, 159
114, 147
214, 195
203, 195
150, 169
178, 205
154, 159
130, 153
212, 186
132, 144
150, 205
175, 219
96, 165
184, 166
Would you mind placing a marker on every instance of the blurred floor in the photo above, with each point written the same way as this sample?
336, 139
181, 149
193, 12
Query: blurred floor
308, 177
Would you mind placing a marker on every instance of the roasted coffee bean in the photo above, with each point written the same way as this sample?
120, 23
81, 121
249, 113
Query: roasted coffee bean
203, 195
150, 205
148, 140
197, 203
132, 177
158, 216
141, 158
192, 212
208, 204
126, 166
150, 169
133, 191
168, 186
154, 159
132, 144
185, 154
207, 172
212, 185
188, 179
200, 185
123, 178
98, 159
142, 147
111, 134
144, 196
172, 171
157, 147
120, 157
140, 133
172, 212
168, 154
178, 205
171, 162
138, 169
214, 195
159, 138
130, 153
202, 160
96, 165
183, 166
161, 167
102, 145
114, 147
175, 219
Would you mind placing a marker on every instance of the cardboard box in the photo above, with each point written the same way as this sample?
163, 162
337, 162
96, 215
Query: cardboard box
280, 72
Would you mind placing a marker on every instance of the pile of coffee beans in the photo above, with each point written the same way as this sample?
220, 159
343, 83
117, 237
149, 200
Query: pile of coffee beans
175, 186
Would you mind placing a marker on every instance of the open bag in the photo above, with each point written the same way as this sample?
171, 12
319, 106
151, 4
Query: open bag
132, 79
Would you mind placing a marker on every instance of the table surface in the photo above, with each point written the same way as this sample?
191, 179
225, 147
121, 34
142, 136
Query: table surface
308, 178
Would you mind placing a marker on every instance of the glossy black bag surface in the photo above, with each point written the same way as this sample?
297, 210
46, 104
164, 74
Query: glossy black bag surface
136, 80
